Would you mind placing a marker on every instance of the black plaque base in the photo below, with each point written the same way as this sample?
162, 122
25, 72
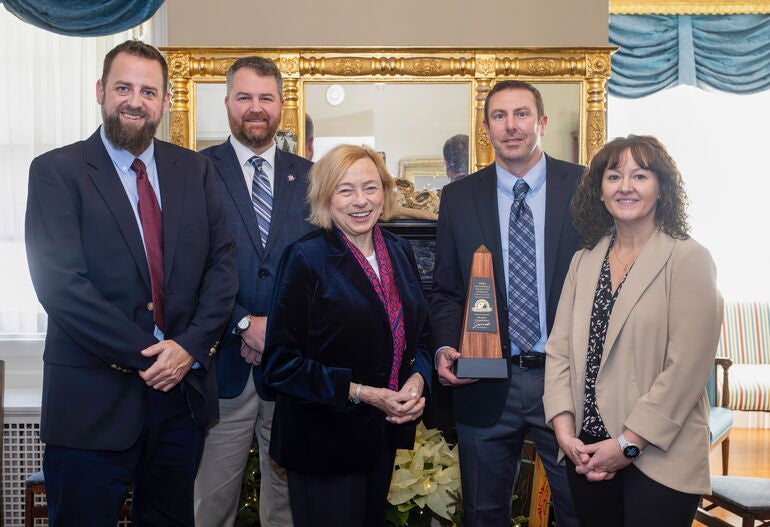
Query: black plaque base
482, 368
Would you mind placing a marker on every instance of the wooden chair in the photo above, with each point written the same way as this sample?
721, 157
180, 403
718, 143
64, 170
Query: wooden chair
721, 416
748, 498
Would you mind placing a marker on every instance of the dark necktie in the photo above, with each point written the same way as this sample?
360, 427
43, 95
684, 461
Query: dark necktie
523, 312
261, 197
152, 227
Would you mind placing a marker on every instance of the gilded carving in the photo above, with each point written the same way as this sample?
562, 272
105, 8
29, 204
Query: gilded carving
179, 128
179, 65
597, 66
540, 66
597, 133
347, 66
289, 65
426, 67
485, 66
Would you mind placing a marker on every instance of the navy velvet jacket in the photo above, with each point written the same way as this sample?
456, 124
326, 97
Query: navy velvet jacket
326, 329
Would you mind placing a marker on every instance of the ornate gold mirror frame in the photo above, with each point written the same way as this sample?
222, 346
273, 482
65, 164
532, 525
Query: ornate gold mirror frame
589, 68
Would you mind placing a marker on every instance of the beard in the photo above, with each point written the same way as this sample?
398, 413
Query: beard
247, 138
122, 135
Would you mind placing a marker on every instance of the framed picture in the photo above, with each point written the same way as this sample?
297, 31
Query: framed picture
425, 173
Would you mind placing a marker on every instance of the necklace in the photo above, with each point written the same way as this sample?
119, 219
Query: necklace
626, 266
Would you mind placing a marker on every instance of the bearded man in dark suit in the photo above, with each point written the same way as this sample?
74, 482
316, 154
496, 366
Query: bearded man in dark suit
263, 189
131, 258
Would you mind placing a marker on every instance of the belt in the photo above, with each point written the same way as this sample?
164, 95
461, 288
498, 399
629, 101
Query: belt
529, 360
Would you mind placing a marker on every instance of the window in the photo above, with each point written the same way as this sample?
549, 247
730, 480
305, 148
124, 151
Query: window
47, 100
719, 141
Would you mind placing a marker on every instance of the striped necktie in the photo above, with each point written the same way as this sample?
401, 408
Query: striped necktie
261, 197
523, 312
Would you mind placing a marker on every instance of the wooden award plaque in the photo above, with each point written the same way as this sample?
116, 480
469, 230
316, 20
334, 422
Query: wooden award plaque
480, 350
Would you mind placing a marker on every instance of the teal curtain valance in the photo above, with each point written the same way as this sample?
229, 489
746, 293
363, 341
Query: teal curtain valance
83, 18
730, 53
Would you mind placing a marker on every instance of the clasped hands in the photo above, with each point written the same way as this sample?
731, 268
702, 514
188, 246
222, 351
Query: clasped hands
402, 406
253, 341
598, 461
172, 362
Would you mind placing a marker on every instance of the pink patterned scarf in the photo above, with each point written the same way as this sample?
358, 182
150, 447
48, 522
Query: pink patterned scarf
386, 289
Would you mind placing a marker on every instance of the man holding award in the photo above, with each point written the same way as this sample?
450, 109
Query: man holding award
518, 208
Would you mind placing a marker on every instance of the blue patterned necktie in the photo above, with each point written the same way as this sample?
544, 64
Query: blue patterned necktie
261, 197
523, 312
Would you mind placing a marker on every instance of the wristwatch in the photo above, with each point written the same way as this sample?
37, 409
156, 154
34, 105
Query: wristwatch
242, 325
630, 450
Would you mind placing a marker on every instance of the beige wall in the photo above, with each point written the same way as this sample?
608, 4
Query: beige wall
489, 23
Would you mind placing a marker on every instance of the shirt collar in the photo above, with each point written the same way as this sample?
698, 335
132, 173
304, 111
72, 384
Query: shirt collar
535, 178
122, 158
244, 153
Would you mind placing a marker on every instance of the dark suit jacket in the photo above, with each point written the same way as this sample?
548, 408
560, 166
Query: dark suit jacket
328, 328
90, 273
257, 267
468, 217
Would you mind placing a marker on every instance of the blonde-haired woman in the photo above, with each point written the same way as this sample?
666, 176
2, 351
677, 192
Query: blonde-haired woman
346, 347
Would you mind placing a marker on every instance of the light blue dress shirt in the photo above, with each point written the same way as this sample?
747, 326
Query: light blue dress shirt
535, 198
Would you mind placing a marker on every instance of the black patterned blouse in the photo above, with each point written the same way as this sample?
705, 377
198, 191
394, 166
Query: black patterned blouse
604, 299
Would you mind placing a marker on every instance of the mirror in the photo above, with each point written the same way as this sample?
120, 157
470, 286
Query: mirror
404, 102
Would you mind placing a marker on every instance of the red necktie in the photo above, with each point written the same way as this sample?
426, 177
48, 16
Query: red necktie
152, 226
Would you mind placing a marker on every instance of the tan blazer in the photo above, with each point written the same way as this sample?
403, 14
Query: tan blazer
659, 350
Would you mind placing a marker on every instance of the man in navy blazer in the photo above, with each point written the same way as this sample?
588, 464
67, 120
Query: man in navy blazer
136, 305
494, 416
254, 103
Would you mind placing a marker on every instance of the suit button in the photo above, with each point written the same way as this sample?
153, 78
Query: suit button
149, 306
114, 366
263, 273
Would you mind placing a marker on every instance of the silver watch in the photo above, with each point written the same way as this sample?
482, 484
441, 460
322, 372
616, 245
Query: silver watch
242, 325
630, 450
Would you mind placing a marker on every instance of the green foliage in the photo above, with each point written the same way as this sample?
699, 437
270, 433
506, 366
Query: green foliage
248, 506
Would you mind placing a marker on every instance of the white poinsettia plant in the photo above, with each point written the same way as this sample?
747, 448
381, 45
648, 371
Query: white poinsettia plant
426, 475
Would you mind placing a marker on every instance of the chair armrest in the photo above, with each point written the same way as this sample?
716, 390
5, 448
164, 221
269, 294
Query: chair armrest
725, 363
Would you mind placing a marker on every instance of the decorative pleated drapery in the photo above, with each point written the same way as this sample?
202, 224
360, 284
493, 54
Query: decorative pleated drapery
83, 18
729, 53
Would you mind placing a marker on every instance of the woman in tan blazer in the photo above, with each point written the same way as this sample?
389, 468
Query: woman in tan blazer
633, 343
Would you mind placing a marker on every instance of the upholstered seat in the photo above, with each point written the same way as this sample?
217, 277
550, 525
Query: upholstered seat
749, 498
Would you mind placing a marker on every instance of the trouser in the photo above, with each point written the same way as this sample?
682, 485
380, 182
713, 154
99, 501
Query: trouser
218, 485
87, 488
630, 499
347, 500
490, 456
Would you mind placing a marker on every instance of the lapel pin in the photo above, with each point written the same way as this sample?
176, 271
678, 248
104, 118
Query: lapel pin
290, 177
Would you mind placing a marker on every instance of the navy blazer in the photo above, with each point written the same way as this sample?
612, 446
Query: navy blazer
90, 273
257, 266
328, 328
468, 217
